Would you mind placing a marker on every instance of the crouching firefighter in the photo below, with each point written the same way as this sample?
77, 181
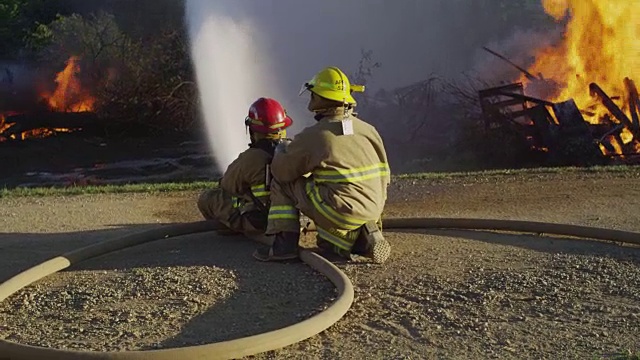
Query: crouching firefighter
336, 173
241, 202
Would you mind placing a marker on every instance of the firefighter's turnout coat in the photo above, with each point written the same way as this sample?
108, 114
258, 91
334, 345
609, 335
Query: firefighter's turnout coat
335, 172
231, 204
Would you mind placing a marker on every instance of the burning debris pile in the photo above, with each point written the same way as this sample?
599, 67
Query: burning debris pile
583, 103
63, 111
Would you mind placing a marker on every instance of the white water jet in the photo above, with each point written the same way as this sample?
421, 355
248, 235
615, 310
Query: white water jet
231, 71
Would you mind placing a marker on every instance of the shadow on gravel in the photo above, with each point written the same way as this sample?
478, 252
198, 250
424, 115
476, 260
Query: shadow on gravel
267, 296
546, 244
21, 251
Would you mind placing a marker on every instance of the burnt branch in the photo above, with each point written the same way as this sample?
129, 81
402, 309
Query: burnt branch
521, 69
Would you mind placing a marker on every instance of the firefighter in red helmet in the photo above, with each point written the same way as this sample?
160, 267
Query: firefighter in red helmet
241, 201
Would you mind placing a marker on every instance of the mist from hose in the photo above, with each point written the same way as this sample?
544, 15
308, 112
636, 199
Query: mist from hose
230, 75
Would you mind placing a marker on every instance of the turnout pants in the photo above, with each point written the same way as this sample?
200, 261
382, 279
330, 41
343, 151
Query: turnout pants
217, 204
336, 231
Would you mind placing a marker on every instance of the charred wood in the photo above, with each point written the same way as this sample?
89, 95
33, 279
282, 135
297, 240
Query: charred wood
610, 105
615, 131
52, 120
634, 104
569, 115
516, 87
526, 98
575, 141
496, 106
546, 130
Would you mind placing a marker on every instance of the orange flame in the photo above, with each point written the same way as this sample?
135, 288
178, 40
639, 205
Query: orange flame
601, 43
41, 133
38, 133
4, 125
69, 96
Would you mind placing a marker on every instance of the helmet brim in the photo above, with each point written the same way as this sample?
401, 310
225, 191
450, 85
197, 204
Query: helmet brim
331, 95
266, 130
305, 87
287, 122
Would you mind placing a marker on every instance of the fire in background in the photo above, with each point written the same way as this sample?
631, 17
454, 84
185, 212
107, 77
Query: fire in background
601, 45
68, 97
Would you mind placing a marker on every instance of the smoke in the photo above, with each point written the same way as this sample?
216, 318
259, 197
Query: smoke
251, 48
15, 76
19, 89
520, 47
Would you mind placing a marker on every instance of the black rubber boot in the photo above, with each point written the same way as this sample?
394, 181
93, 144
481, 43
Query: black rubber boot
285, 247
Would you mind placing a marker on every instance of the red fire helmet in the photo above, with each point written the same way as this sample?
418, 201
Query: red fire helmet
267, 116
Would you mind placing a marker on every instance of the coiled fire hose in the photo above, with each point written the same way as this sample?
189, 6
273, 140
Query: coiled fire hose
274, 339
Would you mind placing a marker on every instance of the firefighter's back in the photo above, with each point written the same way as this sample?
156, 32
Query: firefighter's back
354, 175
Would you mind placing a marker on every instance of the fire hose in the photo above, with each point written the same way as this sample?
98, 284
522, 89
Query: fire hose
272, 340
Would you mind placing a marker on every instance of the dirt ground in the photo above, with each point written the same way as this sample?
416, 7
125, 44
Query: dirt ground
443, 294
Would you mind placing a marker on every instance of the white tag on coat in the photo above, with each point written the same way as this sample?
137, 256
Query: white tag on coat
347, 127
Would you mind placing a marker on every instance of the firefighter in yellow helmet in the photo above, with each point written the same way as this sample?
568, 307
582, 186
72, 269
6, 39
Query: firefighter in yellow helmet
241, 202
336, 173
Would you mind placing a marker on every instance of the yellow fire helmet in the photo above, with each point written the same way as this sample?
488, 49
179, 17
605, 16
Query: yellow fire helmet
331, 83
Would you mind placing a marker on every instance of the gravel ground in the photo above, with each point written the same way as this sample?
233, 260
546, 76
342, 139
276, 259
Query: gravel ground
556, 300
444, 294
160, 295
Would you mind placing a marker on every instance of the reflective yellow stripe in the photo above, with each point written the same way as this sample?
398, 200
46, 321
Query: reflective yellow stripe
352, 175
275, 126
282, 217
339, 241
341, 221
259, 190
283, 212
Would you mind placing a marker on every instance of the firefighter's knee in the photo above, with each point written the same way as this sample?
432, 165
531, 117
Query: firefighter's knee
206, 202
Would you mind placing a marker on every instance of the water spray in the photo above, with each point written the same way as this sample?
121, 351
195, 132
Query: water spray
231, 74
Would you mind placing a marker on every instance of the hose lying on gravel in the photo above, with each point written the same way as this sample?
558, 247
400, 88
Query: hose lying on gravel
271, 340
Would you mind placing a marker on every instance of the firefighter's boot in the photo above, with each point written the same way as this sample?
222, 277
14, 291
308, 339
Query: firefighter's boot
285, 247
372, 244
